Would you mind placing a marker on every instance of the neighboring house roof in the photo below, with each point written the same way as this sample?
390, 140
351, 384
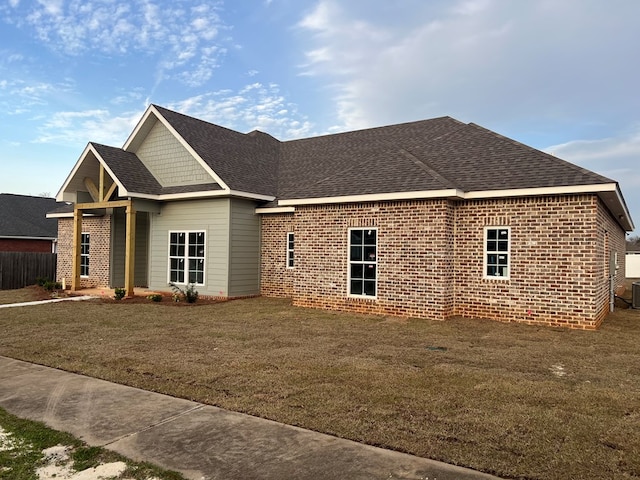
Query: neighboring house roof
24, 216
437, 158
633, 247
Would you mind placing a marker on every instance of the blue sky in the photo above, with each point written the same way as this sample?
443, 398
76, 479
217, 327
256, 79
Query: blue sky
559, 75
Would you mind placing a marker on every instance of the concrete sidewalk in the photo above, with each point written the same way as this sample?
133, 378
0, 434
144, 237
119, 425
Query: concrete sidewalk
200, 441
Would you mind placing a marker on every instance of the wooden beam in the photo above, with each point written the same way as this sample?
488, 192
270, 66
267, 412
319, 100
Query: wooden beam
101, 190
112, 189
115, 204
130, 251
77, 240
93, 190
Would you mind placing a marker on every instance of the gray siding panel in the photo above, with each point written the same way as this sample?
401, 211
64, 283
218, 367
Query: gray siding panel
244, 278
169, 161
118, 242
210, 215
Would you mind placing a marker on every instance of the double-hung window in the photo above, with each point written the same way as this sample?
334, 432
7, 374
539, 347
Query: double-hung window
497, 248
84, 255
363, 262
290, 245
187, 257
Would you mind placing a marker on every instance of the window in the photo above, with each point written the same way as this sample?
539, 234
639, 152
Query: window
84, 255
186, 257
290, 244
497, 242
363, 264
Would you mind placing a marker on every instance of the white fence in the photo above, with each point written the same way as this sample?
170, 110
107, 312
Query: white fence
632, 264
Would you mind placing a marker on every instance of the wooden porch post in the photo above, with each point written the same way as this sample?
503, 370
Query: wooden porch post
77, 240
130, 246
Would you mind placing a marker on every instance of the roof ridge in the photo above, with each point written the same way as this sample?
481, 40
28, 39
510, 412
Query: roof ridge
368, 129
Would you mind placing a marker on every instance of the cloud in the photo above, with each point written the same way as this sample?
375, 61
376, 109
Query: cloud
255, 106
180, 36
481, 60
79, 127
615, 157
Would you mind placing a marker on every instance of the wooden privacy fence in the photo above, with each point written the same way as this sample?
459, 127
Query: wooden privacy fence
19, 269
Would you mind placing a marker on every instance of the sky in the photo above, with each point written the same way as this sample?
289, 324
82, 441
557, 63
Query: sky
559, 75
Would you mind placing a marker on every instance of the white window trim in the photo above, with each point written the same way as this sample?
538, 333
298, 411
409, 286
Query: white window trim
186, 257
349, 262
291, 251
485, 253
88, 255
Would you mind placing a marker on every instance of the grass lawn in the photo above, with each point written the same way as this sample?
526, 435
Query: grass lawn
513, 400
23, 444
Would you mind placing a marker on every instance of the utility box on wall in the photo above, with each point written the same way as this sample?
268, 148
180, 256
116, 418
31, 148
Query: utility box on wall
635, 295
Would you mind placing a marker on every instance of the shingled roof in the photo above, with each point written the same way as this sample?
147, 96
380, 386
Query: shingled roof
428, 155
25, 216
441, 157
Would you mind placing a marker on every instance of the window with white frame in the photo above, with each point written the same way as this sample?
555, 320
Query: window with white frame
363, 262
84, 255
290, 246
497, 248
187, 257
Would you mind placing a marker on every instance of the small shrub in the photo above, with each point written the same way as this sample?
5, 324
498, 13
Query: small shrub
155, 297
119, 293
189, 294
40, 281
51, 286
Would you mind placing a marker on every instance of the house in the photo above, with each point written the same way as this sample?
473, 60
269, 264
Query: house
24, 226
431, 219
632, 260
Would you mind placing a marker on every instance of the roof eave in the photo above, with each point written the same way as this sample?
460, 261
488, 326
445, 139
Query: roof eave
374, 197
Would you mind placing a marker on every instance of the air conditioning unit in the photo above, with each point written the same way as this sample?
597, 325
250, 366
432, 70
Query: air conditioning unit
635, 295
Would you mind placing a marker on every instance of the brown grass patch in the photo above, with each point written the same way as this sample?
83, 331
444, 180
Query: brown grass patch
509, 399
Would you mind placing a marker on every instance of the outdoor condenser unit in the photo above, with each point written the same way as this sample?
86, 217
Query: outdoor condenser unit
635, 295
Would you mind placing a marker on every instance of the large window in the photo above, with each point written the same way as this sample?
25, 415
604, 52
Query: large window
84, 255
290, 245
186, 257
363, 263
497, 247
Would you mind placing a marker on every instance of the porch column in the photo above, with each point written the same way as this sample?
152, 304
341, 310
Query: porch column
130, 247
77, 241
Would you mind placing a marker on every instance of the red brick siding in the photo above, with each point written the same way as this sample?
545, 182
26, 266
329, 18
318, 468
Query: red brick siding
430, 258
611, 240
555, 266
99, 229
276, 280
19, 245
415, 261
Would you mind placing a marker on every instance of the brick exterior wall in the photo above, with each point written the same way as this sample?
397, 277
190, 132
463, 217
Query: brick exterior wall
276, 280
558, 259
18, 245
99, 229
430, 258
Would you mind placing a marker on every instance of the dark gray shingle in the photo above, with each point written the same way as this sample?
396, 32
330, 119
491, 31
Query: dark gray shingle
25, 216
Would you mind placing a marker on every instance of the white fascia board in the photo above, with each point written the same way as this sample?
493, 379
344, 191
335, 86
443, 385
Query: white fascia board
276, 210
206, 194
186, 145
145, 116
252, 196
375, 197
60, 215
535, 192
60, 194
